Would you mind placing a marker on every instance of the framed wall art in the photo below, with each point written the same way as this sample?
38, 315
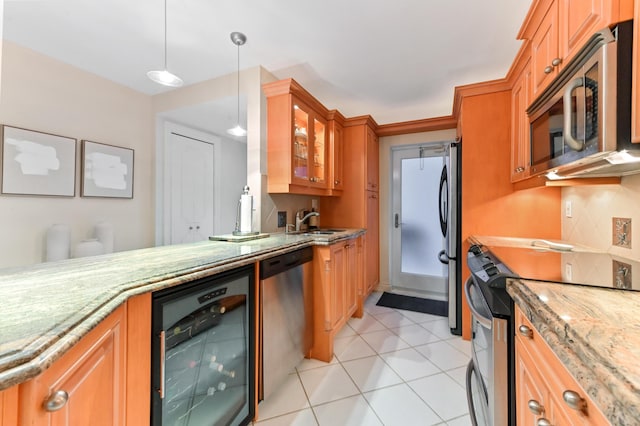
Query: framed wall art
37, 163
107, 170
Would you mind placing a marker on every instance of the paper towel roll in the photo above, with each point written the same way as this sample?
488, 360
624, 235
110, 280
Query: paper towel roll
58, 242
104, 234
246, 212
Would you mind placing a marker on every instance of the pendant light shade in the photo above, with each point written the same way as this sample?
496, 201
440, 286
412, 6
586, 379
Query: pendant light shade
238, 39
165, 77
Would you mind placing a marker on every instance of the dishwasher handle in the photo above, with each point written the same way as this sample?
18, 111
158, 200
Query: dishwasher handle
284, 262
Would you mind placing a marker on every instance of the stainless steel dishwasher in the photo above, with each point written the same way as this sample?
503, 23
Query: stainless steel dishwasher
283, 317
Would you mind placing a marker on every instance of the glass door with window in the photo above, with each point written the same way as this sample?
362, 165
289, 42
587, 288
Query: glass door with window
416, 235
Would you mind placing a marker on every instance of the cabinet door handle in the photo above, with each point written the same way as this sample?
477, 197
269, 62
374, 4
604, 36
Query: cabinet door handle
547, 70
162, 352
535, 407
519, 170
543, 422
574, 400
336, 182
56, 401
525, 331
556, 61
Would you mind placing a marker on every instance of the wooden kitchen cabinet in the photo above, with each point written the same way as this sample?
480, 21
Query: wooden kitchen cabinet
559, 28
9, 406
372, 253
520, 99
92, 374
335, 287
542, 382
373, 168
545, 51
359, 205
336, 152
298, 137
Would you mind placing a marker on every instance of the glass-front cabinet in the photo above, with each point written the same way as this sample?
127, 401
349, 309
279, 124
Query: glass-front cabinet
299, 156
309, 146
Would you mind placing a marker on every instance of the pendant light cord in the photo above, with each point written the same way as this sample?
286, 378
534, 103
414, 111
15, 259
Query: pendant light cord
238, 81
165, 34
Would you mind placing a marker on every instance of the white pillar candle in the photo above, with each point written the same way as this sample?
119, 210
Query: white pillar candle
58, 242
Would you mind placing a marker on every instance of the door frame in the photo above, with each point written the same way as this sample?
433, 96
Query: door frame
164, 129
432, 145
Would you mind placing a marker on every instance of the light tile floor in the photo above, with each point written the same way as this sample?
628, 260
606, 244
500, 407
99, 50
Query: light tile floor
391, 367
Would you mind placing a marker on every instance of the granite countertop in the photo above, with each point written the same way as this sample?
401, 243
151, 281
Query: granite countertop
47, 308
595, 333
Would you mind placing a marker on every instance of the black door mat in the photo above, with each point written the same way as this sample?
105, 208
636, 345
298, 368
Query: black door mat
416, 304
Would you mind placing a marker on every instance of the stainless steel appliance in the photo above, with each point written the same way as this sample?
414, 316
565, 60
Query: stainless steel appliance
450, 200
203, 351
581, 124
490, 373
282, 283
492, 261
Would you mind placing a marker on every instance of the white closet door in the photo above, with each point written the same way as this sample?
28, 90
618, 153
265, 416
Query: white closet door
191, 183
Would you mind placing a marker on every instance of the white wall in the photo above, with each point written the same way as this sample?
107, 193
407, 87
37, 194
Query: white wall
386, 143
593, 208
39, 93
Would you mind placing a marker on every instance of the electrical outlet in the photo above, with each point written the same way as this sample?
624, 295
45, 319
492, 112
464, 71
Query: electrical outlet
568, 273
282, 219
568, 208
621, 227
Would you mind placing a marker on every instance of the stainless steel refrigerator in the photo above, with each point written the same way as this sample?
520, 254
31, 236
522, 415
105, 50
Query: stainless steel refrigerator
450, 202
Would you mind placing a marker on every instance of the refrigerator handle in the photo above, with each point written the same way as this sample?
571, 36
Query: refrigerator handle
396, 221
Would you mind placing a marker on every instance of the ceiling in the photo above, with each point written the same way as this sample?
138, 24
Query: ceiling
395, 60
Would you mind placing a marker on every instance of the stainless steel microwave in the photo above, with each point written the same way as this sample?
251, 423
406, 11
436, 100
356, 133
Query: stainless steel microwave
580, 126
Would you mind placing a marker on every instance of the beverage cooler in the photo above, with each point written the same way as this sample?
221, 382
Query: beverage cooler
203, 351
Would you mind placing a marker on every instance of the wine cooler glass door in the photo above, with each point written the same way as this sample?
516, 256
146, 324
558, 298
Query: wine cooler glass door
203, 369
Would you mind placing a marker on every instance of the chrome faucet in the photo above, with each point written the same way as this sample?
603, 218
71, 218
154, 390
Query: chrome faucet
300, 220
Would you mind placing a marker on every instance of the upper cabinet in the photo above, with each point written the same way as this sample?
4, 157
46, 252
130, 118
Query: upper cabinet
336, 152
520, 99
557, 29
299, 152
545, 52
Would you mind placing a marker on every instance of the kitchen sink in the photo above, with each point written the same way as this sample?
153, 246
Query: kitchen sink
319, 232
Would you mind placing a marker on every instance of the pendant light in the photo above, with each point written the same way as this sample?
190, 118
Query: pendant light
165, 77
238, 39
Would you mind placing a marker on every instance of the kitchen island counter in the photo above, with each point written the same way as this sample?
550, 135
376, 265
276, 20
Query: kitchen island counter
47, 308
595, 333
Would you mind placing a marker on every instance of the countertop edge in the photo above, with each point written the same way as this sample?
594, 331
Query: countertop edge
29, 366
583, 362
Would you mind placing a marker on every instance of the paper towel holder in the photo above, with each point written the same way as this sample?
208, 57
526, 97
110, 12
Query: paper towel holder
246, 202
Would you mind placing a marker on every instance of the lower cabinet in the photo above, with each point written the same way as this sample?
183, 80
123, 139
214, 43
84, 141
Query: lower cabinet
546, 393
337, 289
9, 406
87, 385
102, 380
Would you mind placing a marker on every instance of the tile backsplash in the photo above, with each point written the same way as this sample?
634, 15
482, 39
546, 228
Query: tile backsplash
593, 209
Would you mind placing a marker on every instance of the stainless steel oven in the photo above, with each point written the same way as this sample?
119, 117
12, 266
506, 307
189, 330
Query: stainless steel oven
487, 372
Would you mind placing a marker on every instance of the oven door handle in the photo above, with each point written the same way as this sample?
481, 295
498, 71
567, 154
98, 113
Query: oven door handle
482, 320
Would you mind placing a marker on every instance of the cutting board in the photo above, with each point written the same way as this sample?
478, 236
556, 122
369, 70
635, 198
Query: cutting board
237, 238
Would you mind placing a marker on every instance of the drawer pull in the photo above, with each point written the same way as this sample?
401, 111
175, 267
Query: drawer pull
56, 401
535, 407
543, 422
525, 331
574, 401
